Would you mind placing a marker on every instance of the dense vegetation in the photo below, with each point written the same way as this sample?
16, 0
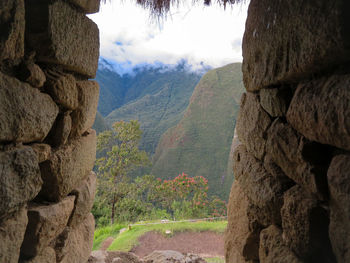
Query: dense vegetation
200, 143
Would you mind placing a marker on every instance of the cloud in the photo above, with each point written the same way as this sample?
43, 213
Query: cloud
195, 33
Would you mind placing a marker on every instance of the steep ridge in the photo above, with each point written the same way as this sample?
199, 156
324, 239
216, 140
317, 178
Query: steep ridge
200, 143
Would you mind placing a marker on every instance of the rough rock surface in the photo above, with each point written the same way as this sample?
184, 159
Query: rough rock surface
165, 256
284, 41
45, 223
305, 226
60, 130
272, 249
87, 6
12, 26
68, 166
261, 188
242, 235
32, 74
11, 235
63, 89
75, 244
48, 255
320, 111
26, 114
20, 178
339, 187
60, 35
84, 116
42, 150
287, 149
275, 101
252, 124
85, 195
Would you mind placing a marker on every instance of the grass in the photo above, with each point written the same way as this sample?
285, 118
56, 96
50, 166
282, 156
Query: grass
215, 260
104, 232
128, 239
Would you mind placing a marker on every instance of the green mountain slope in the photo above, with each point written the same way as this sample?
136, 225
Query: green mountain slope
157, 99
200, 143
100, 124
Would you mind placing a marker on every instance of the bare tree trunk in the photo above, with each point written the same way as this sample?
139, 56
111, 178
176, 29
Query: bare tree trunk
113, 211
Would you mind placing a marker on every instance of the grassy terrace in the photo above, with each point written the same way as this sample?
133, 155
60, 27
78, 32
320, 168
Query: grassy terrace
128, 239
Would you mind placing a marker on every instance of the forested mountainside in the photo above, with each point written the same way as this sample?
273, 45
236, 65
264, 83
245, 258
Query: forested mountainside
199, 144
156, 97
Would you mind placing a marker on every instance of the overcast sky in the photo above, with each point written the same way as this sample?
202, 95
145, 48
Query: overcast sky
198, 34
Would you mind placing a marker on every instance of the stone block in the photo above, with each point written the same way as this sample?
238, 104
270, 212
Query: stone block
261, 188
45, 223
305, 226
48, 255
75, 244
68, 166
286, 41
272, 249
275, 101
87, 6
339, 188
60, 131
20, 178
320, 110
12, 24
288, 150
42, 150
85, 195
11, 235
63, 89
26, 114
62, 35
84, 116
252, 124
242, 234
32, 74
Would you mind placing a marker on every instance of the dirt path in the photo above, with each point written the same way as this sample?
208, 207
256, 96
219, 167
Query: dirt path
106, 243
200, 243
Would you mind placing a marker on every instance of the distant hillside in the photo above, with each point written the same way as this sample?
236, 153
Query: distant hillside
157, 98
100, 124
200, 143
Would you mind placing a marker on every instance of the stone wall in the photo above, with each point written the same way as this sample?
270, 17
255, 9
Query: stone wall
290, 201
48, 52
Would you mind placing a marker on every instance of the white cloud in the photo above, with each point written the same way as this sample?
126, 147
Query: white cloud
196, 33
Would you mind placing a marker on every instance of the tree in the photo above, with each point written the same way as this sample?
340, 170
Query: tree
121, 155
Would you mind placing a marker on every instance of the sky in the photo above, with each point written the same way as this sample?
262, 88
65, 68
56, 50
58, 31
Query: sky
196, 33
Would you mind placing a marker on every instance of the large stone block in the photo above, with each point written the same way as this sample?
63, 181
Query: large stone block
262, 189
12, 24
339, 188
87, 6
272, 249
290, 151
48, 255
285, 41
45, 223
62, 35
20, 178
275, 101
252, 124
320, 110
84, 116
75, 244
61, 130
11, 235
85, 195
68, 166
305, 226
242, 234
63, 89
26, 114
42, 150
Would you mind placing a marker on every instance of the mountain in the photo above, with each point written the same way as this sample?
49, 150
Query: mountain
157, 97
100, 124
200, 143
